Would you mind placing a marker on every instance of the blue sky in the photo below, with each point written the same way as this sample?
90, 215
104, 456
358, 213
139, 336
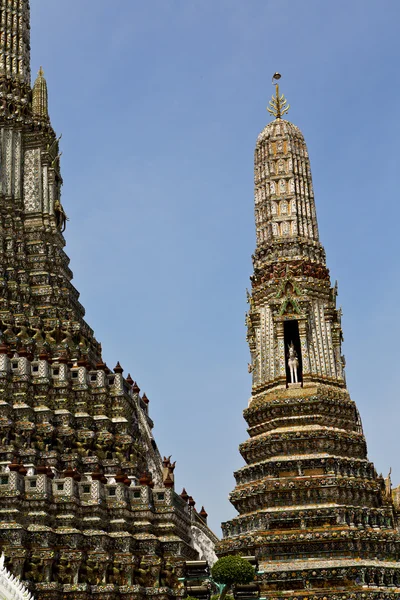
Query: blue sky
160, 103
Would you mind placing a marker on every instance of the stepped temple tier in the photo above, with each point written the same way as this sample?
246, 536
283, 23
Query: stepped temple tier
312, 509
87, 505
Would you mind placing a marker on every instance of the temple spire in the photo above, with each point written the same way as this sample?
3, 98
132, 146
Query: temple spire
308, 497
278, 105
15, 40
40, 97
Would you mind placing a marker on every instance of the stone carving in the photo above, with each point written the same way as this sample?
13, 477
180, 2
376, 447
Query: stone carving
293, 363
61, 217
388, 484
31, 186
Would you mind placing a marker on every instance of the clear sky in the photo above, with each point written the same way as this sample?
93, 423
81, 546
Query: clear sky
160, 103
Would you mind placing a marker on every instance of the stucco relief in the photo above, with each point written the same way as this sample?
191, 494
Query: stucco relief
31, 181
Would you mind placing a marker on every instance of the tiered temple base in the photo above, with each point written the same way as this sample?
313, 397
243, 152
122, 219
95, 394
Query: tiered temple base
87, 508
311, 506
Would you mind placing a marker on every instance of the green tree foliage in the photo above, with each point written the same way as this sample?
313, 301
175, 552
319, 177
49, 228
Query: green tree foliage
232, 569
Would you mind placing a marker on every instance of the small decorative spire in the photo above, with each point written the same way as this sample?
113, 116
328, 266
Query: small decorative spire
22, 470
15, 465
168, 481
97, 475
3, 348
41, 470
145, 478
278, 106
40, 105
120, 477
135, 388
203, 514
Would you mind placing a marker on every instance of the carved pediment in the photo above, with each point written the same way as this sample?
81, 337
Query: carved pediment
288, 294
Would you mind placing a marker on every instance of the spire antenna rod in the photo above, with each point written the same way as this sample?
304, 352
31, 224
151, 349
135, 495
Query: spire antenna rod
278, 105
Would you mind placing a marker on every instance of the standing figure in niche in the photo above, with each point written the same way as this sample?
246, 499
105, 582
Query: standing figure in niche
388, 485
293, 363
61, 217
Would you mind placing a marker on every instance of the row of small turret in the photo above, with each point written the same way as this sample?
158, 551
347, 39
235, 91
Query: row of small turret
52, 429
47, 483
63, 370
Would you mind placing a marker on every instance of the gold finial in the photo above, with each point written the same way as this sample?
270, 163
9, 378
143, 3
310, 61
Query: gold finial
41, 72
278, 106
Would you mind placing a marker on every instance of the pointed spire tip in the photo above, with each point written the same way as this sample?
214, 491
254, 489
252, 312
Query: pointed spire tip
278, 105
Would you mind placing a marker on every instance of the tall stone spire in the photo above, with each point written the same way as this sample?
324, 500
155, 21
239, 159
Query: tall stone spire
84, 507
311, 506
15, 40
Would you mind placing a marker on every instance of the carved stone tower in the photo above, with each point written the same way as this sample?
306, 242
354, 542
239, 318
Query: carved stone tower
311, 506
87, 506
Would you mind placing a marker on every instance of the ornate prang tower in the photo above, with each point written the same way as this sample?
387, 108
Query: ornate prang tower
311, 506
87, 506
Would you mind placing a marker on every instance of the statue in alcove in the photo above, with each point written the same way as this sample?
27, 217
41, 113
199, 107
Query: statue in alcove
388, 485
293, 363
61, 217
